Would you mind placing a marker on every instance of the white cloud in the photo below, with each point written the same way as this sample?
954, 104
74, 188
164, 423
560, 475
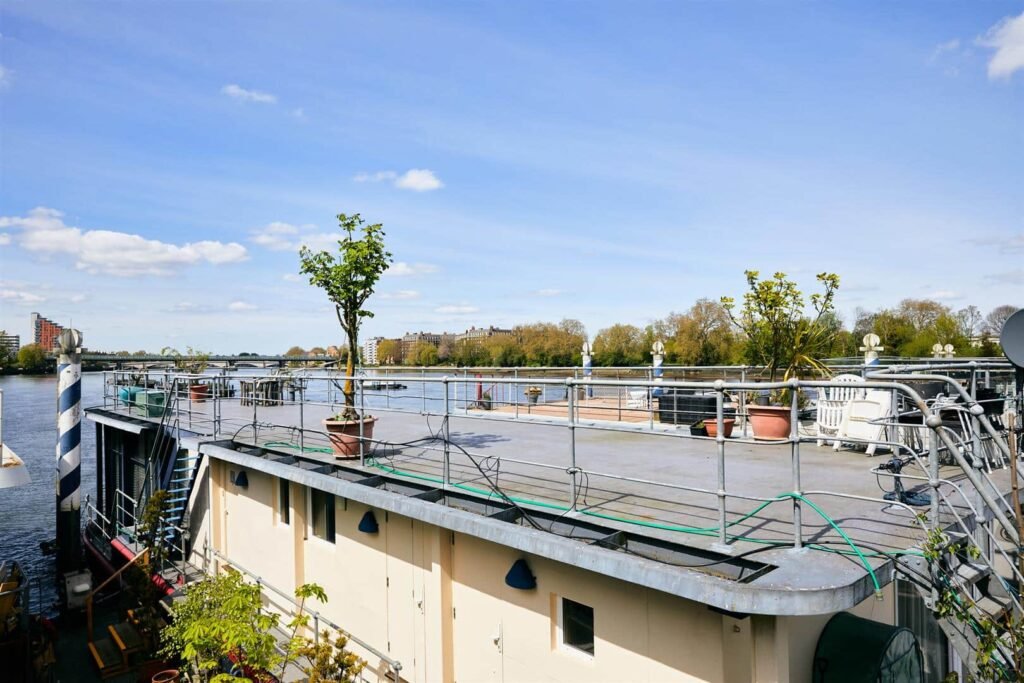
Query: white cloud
5, 239
292, 277
403, 269
299, 113
278, 236
942, 48
43, 231
402, 294
548, 292
419, 180
275, 236
5, 76
1007, 39
377, 177
77, 298
239, 306
1008, 244
462, 309
944, 295
239, 93
1013, 277
20, 298
415, 179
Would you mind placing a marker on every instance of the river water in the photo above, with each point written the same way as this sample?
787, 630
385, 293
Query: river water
28, 513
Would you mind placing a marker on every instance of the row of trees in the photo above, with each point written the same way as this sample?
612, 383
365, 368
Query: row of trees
706, 334
31, 358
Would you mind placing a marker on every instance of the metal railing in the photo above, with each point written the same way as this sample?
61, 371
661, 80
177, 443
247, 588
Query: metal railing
295, 401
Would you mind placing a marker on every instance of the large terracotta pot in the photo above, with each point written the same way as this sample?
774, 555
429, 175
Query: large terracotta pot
711, 426
166, 676
770, 422
199, 392
344, 435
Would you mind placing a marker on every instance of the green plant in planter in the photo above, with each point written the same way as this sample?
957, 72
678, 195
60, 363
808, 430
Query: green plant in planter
192, 362
348, 279
779, 334
139, 577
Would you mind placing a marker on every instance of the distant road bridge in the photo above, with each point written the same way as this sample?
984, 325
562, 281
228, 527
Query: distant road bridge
156, 361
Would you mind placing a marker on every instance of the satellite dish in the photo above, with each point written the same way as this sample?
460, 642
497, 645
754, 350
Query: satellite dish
871, 340
1012, 338
658, 348
948, 348
936, 348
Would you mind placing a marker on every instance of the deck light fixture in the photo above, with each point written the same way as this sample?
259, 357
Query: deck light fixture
368, 524
240, 479
520, 576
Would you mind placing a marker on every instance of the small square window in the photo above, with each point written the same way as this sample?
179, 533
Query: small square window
323, 515
284, 502
578, 626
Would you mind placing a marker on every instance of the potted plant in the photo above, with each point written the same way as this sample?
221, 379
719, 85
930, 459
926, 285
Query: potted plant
783, 339
348, 279
711, 426
532, 395
191, 363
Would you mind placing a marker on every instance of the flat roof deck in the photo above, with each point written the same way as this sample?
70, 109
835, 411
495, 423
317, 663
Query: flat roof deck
627, 480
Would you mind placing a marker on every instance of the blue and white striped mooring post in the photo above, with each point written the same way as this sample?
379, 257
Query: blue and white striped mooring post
69, 450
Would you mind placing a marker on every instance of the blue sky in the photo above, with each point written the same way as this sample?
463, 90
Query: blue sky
610, 162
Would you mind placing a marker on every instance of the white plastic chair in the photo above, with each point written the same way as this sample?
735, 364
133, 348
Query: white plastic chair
863, 421
638, 399
832, 404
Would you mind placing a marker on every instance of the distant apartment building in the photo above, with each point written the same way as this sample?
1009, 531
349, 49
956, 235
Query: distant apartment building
45, 331
478, 333
10, 342
411, 339
370, 350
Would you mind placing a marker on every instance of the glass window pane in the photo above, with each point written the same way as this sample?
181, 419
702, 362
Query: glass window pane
578, 625
284, 501
323, 515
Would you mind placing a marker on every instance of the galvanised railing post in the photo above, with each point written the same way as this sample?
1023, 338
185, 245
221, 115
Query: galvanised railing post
423, 387
362, 417
302, 418
446, 474
741, 409
570, 386
794, 438
720, 444
515, 374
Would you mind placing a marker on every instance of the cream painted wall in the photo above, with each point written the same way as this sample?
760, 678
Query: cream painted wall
437, 601
799, 635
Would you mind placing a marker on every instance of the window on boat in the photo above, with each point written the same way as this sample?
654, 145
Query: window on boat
577, 626
284, 502
323, 515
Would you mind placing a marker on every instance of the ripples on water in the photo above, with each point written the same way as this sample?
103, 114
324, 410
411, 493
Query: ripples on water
28, 513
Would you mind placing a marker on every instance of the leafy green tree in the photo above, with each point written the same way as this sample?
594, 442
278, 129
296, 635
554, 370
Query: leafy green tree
997, 317
32, 358
389, 352
620, 345
422, 354
780, 336
701, 336
348, 279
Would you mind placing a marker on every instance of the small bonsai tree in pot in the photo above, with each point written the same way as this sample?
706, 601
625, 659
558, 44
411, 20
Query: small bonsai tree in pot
348, 279
782, 338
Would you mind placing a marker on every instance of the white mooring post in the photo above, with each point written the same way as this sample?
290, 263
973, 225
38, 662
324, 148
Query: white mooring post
69, 450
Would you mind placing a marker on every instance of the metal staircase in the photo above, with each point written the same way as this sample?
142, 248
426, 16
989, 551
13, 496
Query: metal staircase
968, 572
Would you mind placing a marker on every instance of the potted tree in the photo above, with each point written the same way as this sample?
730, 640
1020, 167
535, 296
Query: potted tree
782, 338
532, 394
192, 363
348, 279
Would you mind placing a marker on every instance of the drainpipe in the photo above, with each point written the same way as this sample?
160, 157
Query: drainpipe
69, 450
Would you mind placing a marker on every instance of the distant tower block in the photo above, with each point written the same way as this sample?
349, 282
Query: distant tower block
588, 367
871, 348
